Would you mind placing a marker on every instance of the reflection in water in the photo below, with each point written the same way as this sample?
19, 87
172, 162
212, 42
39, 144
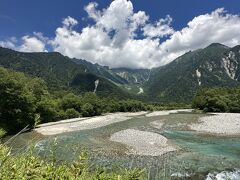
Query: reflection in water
199, 154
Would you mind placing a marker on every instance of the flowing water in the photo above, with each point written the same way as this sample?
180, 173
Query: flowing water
199, 155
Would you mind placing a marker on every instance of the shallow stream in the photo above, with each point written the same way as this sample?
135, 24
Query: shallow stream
198, 154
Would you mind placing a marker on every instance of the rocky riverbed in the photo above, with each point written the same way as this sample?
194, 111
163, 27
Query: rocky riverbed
219, 123
79, 124
143, 142
166, 143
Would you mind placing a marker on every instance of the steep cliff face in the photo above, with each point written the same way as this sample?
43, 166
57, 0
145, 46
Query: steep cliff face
133, 76
231, 63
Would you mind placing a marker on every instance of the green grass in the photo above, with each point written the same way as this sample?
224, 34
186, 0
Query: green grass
29, 166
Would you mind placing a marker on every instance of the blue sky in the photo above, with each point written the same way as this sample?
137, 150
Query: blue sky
25, 23
18, 18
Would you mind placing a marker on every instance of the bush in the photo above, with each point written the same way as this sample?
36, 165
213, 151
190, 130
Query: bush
48, 110
72, 113
71, 101
234, 107
87, 110
95, 101
2, 132
218, 100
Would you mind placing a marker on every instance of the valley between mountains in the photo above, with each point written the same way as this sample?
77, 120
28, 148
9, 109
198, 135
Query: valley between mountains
214, 66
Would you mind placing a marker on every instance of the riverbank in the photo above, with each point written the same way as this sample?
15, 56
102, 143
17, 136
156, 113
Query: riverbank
219, 123
167, 112
77, 124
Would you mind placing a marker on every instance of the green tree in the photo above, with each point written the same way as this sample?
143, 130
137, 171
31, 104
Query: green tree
17, 104
38, 87
71, 101
218, 100
88, 110
48, 110
72, 113
95, 101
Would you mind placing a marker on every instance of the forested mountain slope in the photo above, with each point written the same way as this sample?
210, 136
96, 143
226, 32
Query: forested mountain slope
214, 66
59, 71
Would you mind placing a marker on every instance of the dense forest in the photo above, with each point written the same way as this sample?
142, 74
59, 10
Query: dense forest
27, 101
62, 73
218, 100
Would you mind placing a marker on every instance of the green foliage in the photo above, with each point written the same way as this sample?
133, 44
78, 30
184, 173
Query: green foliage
131, 106
179, 80
26, 101
63, 73
38, 87
71, 101
88, 110
17, 102
29, 166
48, 109
2, 132
218, 100
72, 113
95, 101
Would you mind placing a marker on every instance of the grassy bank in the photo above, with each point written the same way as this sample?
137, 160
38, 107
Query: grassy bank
28, 165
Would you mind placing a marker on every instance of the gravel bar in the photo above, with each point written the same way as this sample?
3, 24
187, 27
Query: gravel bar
219, 123
83, 124
167, 112
143, 142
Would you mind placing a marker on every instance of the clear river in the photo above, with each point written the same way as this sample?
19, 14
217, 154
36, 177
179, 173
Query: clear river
199, 155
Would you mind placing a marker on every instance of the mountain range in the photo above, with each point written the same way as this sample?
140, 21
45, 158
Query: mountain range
214, 66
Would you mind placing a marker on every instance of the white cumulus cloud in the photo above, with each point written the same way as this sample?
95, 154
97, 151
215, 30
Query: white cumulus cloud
69, 22
35, 43
113, 39
161, 28
217, 26
9, 43
121, 37
32, 44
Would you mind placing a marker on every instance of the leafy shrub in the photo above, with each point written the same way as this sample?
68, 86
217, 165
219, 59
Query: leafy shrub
2, 132
95, 101
71, 101
47, 108
87, 110
218, 100
72, 113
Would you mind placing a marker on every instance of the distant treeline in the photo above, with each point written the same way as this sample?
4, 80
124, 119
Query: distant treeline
26, 101
218, 100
